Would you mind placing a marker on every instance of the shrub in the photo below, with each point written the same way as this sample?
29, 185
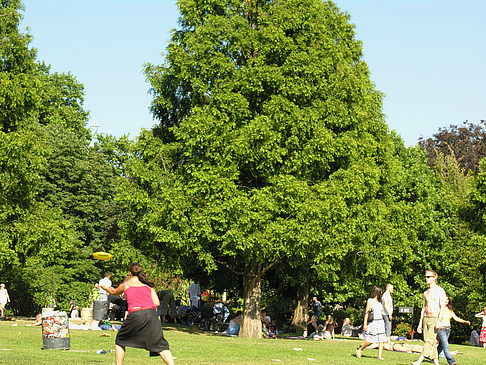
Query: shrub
403, 329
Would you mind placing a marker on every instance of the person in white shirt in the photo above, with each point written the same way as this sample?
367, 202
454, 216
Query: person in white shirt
194, 294
104, 282
387, 302
4, 299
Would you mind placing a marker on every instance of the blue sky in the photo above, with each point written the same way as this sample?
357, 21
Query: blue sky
426, 56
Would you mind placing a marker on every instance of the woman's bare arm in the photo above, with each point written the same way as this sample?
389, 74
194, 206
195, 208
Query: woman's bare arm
155, 297
119, 290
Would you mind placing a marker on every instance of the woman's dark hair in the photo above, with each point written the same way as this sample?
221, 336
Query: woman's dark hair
449, 305
136, 270
376, 292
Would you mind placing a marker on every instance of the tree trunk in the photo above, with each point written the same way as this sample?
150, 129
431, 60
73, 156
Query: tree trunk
301, 316
251, 326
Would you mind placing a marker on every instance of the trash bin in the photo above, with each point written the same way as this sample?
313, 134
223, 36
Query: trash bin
100, 310
55, 331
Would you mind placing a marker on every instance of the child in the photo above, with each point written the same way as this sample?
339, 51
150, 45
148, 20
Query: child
482, 335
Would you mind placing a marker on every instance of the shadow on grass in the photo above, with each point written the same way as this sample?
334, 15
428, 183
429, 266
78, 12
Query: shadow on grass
193, 330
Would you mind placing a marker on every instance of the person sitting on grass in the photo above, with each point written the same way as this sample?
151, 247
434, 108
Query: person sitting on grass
234, 325
329, 328
474, 339
348, 330
312, 326
38, 320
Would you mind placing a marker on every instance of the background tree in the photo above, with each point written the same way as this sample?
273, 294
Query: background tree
56, 192
465, 141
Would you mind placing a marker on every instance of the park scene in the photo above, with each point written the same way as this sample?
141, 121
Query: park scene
269, 215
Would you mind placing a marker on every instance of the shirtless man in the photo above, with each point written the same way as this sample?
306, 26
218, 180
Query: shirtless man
434, 305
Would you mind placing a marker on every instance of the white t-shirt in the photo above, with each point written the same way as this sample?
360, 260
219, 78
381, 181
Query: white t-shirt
106, 282
387, 303
3, 296
194, 294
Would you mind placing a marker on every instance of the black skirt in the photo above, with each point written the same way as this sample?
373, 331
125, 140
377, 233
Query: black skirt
142, 330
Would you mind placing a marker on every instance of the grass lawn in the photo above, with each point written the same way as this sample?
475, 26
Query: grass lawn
23, 345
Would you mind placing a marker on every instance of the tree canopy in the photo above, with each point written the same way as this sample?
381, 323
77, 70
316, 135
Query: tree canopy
272, 138
465, 141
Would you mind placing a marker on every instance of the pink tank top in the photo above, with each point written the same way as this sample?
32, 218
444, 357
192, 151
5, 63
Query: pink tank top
139, 296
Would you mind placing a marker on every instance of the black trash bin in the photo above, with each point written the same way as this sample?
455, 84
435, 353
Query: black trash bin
55, 331
100, 310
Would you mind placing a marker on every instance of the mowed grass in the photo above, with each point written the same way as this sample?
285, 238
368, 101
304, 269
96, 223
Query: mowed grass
23, 345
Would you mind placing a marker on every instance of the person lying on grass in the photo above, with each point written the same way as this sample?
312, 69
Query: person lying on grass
403, 347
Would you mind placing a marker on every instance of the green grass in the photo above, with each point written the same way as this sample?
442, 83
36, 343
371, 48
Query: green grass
23, 345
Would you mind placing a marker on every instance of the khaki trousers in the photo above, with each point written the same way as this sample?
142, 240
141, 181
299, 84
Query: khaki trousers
430, 337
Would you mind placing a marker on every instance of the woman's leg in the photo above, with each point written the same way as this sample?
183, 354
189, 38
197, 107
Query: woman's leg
443, 337
359, 351
166, 355
119, 354
380, 351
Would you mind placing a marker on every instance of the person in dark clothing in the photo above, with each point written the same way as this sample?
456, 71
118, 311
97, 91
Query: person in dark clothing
312, 326
316, 307
167, 305
141, 329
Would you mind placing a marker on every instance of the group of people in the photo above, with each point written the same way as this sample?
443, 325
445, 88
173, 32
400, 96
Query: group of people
434, 323
268, 327
324, 331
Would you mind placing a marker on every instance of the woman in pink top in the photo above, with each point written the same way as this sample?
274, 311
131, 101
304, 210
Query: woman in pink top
142, 328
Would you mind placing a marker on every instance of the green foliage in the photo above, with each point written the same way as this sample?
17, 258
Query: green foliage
56, 192
274, 144
168, 281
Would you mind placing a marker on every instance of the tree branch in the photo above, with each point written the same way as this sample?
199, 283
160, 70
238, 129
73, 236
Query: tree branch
226, 265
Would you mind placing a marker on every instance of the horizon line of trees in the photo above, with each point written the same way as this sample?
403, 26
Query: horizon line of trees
271, 173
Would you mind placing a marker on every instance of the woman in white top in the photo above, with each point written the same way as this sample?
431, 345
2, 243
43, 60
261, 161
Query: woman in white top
482, 335
373, 331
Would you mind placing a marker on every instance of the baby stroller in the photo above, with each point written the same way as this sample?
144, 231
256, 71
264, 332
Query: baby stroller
193, 314
221, 314
206, 318
214, 318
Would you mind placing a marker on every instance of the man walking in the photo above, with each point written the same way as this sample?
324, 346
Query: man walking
388, 305
4, 299
316, 307
433, 307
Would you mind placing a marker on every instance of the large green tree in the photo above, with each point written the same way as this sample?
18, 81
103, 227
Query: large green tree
53, 186
270, 133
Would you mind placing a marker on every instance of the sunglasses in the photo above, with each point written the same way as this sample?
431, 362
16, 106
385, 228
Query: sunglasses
429, 276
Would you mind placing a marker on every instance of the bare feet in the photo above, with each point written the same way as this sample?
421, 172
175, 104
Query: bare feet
359, 352
381, 358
